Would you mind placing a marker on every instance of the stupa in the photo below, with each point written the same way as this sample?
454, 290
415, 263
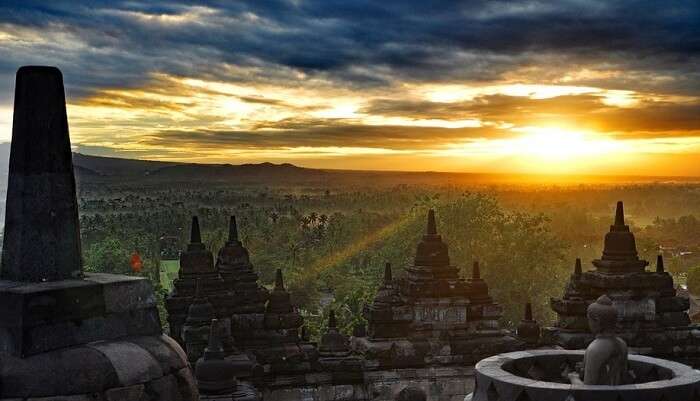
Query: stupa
196, 266
528, 329
196, 330
233, 263
652, 319
66, 334
216, 375
286, 365
431, 318
274, 336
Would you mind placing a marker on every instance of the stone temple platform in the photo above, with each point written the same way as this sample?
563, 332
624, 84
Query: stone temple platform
66, 335
426, 331
652, 318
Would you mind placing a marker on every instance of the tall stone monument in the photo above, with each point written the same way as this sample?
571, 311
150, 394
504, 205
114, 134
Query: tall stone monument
65, 334
42, 237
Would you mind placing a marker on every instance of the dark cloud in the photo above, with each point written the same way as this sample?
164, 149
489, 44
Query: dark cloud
357, 43
292, 133
582, 111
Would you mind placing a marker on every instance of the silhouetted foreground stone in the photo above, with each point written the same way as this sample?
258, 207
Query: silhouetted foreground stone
42, 237
65, 335
652, 319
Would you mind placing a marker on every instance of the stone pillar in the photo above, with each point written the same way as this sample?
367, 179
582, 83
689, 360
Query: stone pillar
42, 234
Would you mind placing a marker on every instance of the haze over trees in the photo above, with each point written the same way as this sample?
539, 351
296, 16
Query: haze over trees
331, 238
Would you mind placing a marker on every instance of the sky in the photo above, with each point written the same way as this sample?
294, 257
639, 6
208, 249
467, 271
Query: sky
573, 86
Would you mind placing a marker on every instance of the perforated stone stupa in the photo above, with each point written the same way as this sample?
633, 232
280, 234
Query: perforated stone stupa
66, 334
652, 319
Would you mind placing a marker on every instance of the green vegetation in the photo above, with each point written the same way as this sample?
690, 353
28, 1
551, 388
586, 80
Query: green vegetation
332, 241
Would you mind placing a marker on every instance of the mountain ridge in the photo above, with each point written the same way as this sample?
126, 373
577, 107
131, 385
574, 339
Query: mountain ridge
106, 168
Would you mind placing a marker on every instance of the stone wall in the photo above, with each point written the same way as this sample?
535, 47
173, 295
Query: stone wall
438, 384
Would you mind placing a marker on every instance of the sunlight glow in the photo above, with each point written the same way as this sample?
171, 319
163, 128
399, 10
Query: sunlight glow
200, 120
546, 150
546, 144
619, 98
551, 143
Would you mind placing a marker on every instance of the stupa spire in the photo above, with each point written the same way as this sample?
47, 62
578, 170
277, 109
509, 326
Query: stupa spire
387, 274
431, 251
528, 311
432, 228
528, 330
232, 230
279, 280
195, 234
332, 323
660, 264
578, 270
215, 349
279, 300
619, 215
42, 232
476, 271
198, 292
215, 374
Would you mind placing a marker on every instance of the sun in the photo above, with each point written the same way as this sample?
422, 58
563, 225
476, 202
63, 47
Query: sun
559, 144
547, 150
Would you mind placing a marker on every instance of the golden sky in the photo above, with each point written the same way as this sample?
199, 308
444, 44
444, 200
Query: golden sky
589, 93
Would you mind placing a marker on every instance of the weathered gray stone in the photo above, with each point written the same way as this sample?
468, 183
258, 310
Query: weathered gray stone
164, 389
80, 397
130, 393
164, 350
186, 384
40, 317
68, 371
42, 237
124, 293
131, 363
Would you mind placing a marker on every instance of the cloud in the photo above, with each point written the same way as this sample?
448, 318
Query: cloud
290, 134
164, 78
586, 111
355, 43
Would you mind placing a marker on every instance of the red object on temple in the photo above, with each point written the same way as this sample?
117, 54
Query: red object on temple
136, 262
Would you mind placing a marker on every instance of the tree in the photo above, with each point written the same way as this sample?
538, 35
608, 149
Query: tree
108, 256
694, 280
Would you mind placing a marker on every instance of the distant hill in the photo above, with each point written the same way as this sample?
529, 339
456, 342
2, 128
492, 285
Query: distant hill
114, 166
101, 169
246, 172
86, 165
88, 168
